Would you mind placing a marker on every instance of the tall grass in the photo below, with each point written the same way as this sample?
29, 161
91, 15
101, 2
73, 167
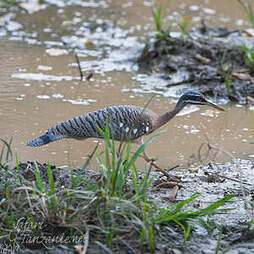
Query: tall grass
110, 210
6, 154
159, 20
249, 10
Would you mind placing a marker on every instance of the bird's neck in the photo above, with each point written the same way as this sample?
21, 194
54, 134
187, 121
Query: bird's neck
164, 118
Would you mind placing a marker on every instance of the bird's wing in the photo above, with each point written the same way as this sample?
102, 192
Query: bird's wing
124, 122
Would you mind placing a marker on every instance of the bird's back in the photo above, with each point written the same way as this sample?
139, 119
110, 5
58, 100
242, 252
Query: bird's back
125, 123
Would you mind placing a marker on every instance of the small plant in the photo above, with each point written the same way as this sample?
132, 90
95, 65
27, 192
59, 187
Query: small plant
184, 219
158, 19
249, 57
248, 9
228, 82
160, 33
110, 211
185, 23
225, 71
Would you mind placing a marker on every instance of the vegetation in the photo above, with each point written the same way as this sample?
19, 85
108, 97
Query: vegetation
201, 61
158, 19
185, 24
249, 57
164, 34
106, 212
225, 71
248, 9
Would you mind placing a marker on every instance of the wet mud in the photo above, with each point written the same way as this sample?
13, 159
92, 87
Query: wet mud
209, 59
229, 231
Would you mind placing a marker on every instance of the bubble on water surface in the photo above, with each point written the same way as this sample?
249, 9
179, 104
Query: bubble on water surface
42, 77
44, 97
77, 101
44, 68
56, 52
57, 96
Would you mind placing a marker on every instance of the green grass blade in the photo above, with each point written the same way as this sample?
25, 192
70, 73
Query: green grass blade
38, 179
213, 207
250, 14
18, 168
8, 152
151, 239
157, 18
90, 157
51, 179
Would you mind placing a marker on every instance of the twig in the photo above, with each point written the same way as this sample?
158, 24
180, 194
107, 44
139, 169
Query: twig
172, 168
235, 180
89, 76
210, 148
79, 67
165, 173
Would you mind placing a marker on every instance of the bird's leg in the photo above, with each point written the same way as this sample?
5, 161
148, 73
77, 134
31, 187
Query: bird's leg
119, 149
140, 141
164, 172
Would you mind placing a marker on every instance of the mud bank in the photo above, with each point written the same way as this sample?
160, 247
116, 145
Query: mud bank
229, 232
213, 60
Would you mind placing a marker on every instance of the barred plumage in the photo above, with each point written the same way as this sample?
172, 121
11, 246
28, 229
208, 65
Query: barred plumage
125, 123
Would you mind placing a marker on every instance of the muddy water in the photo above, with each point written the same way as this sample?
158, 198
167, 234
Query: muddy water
39, 90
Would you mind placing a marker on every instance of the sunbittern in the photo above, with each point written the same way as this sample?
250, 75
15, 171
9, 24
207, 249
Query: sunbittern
125, 122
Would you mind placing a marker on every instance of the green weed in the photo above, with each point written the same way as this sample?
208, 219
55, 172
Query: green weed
185, 24
249, 57
225, 71
158, 19
249, 10
111, 210
157, 15
6, 154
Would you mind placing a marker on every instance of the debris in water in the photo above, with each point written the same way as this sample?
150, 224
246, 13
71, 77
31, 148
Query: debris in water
56, 52
41, 76
44, 97
44, 68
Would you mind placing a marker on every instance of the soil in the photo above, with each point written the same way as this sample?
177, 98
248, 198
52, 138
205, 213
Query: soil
213, 182
208, 59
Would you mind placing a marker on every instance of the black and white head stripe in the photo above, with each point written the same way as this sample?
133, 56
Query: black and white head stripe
193, 97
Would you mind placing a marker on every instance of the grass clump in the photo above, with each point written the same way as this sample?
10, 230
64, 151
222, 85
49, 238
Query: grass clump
162, 34
249, 57
109, 211
158, 19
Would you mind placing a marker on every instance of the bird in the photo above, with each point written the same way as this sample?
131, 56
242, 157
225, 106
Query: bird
125, 123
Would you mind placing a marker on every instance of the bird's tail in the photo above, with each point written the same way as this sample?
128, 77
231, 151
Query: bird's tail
45, 139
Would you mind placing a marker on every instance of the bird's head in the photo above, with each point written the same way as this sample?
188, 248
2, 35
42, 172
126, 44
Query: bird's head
196, 98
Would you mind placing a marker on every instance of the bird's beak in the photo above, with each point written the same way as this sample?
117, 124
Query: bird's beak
214, 106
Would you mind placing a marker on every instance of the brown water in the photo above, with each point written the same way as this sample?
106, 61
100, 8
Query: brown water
29, 104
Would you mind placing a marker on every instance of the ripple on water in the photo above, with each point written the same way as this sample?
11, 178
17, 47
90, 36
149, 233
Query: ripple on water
43, 96
44, 68
42, 77
80, 101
